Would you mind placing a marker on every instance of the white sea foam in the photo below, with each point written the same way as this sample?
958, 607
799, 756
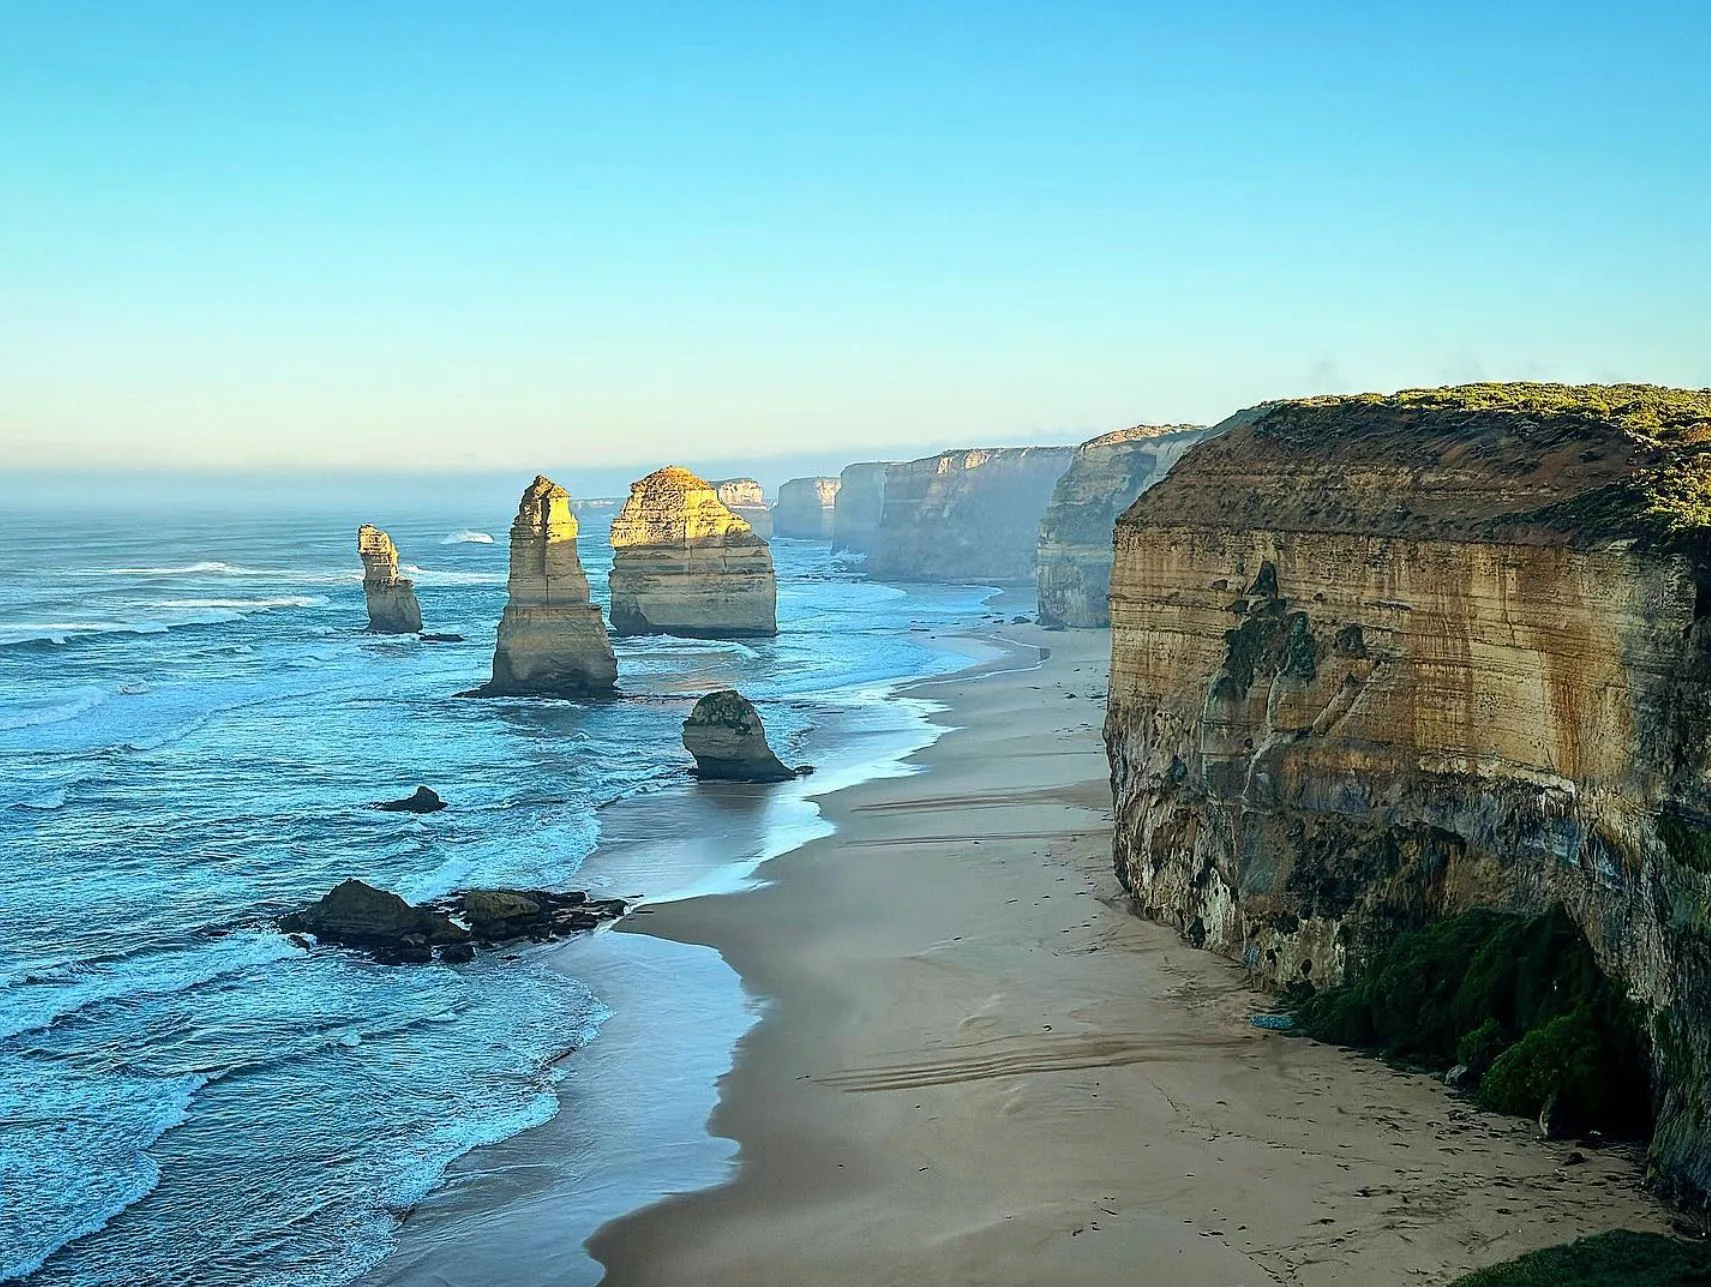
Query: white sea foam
439, 576
468, 537
51, 710
247, 605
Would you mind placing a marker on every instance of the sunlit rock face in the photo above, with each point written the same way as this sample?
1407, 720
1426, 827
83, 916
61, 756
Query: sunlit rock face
805, 508
552, 639
744, 498
1381, 659
970, 516
860, 503
683, 564
392, 606
1103, 480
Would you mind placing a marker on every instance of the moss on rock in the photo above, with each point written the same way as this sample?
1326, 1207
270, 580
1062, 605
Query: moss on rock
1621, 1258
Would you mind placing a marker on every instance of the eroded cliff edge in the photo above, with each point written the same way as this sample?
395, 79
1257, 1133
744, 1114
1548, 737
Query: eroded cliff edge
859, 505
1104, 477
966, 515
805, 508
1377, 660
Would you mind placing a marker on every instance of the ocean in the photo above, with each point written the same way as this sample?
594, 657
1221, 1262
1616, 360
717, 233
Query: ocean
193, 726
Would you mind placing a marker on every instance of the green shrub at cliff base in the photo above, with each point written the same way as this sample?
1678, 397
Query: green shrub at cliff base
1519, 999
1607, 1260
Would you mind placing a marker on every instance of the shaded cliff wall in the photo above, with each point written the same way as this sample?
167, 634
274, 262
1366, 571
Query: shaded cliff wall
805, 508
1104, 478
1380, 660
860, 504
966, 515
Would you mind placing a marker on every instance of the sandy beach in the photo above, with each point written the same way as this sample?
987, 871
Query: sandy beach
975, 1064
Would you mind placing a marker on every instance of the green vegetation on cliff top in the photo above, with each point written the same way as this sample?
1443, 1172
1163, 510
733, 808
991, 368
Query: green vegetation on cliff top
1621, 1258
1669, 415
1519, 1000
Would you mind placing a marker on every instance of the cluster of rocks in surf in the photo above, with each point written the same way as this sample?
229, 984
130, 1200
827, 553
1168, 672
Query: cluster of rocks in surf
382, 925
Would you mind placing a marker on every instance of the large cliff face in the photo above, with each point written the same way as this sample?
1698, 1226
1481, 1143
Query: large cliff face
860, 503
805, 508
966, 515
1378, 660
392, 606
552, 640
744, 498
683, 564
1104, 478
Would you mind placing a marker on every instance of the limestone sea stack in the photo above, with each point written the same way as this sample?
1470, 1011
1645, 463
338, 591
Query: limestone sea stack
683, 564
725, 735
857, 510
744, 498
1103, 479
805, 508
392, 606
552, 640
1378, 660
966, 515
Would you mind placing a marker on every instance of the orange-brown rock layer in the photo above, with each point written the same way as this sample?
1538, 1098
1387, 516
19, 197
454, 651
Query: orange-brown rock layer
683, 564
1376, 660
805, 508
391, 599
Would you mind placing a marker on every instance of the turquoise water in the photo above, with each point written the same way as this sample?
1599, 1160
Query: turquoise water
192, 726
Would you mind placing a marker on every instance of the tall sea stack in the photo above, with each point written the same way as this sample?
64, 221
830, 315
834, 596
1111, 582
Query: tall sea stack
683, 564
552, 640
966, 515
1102, 481
1378, 660
805, 507
857, 510
744, 498
392, 606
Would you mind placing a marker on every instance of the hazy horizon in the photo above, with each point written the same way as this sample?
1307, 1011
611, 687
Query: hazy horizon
309, 237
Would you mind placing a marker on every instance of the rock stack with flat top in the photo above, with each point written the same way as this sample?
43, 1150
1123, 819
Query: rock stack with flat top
725, 735
683, 564
805, 508
392, 606
744, 498
552, 640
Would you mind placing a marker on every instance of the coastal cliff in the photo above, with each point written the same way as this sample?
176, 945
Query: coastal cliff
392, 606
1104, 478
744, 498
683, 564
552, 640
1378, 661
805, 508
966, 515
860, 503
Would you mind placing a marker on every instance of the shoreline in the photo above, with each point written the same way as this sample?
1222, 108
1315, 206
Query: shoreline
957, 1077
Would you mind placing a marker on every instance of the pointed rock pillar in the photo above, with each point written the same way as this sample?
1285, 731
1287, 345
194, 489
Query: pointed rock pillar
392, 606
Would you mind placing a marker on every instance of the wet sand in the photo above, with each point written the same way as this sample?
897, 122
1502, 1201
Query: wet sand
975, 1065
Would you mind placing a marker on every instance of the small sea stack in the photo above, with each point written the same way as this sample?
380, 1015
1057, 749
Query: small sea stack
552, 639
725, 735
745, 498
392, 606
859, 505
805, 508
683, 564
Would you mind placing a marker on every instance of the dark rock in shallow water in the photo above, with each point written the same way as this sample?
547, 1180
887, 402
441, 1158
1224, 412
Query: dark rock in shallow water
355, 914
427, 638
725, 735
424, 800
457, 953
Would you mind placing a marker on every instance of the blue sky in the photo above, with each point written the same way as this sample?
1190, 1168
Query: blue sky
479, 236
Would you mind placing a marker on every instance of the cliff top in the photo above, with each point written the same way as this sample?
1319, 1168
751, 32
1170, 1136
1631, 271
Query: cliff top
544, 511
673, 506
1136, 433
975, 457
1522, 463
824, 486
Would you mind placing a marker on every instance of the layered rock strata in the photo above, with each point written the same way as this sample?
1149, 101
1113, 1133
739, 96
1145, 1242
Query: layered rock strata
392, 606
1105, 476
683, 564
1377, 660
744, 498
857, 510
969, 516
552, 639
805, 508
725, 735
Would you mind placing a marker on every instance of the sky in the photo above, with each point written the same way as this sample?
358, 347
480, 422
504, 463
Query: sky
423, 236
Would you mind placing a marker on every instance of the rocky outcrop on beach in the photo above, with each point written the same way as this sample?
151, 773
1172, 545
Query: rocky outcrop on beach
392, 606
859, 505
805, 508
1105, 476
744, 498
552, 639
683, 564
725, 735
377, 922
1380, 661
966, 515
